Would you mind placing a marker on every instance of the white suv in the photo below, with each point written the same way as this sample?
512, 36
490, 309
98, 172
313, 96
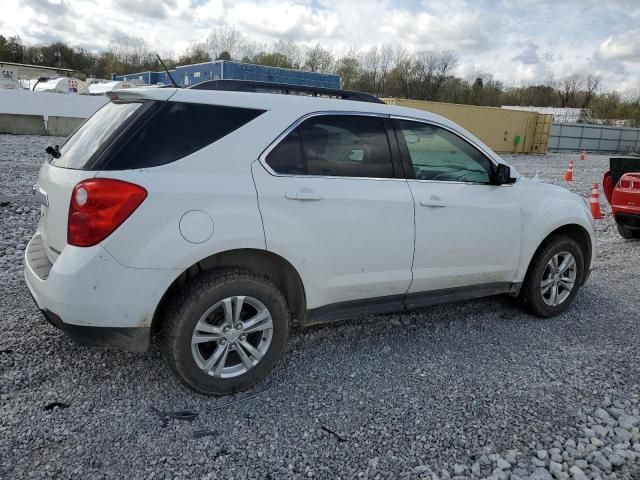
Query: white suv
221, 219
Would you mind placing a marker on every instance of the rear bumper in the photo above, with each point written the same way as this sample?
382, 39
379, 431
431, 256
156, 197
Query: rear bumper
131, 339
92, 298
629, 220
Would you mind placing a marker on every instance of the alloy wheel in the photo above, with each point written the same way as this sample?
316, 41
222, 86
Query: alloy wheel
232, 336
558, 278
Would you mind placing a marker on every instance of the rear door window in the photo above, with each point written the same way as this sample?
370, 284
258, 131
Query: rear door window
337, 146
287, 157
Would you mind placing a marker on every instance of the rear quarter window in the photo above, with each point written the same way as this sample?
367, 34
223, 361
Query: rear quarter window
172, 131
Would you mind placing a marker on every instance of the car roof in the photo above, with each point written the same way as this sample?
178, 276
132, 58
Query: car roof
298, 104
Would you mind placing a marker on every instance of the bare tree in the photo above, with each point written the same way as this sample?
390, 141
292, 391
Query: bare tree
370, 62
289, 51
250, 50
131, 51
402, 71
445, 63
227, 40
592, 82
386, 62
318, 59
428, 71
568, 87
348, 67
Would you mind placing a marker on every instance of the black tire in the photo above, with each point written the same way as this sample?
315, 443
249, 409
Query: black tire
530, 297
195, 298
626, 232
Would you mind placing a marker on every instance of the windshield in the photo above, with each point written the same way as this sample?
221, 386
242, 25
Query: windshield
81, 146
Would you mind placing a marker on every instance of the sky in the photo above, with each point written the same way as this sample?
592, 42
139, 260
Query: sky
519, 42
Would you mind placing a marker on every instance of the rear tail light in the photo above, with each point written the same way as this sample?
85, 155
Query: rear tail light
98, 207
629, 181
607, 186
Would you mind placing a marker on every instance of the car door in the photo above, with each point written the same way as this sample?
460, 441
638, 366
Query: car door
468, 231
335, 204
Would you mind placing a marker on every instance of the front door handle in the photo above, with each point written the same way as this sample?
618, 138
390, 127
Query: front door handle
303, 196
434, 201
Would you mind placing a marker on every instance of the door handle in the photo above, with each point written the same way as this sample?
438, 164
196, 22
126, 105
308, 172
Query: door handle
434, 201
303, 196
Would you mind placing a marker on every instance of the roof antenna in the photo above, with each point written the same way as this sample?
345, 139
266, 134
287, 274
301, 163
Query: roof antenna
165, 69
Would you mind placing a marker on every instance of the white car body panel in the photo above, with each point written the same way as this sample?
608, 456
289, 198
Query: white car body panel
473, 238
88, 287
355, 242
545, 208
229, 199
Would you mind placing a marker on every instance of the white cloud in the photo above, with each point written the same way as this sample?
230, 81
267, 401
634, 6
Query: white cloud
514, 40
465, 31
623, 46
209, 11
276, 19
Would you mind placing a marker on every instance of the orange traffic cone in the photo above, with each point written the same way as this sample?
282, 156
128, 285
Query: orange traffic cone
568, 175
594, 203
582, 157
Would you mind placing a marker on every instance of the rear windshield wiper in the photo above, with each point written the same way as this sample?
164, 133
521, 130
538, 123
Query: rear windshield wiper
53, 151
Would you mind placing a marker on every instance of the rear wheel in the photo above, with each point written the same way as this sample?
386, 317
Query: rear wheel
626, 232
554, 277
226, 331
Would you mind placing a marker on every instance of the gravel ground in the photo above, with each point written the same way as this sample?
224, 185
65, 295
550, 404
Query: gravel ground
469, 390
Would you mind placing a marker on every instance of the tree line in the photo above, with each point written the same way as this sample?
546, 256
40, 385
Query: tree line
383, 70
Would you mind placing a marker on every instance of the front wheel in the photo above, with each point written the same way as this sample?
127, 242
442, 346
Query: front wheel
225, 331
554, 277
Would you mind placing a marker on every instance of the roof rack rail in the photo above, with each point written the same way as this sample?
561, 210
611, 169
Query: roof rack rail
285, 88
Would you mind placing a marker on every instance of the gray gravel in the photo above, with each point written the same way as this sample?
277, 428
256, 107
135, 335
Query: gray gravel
469, 390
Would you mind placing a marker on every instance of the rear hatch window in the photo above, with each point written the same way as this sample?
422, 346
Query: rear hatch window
81, 147
131, 135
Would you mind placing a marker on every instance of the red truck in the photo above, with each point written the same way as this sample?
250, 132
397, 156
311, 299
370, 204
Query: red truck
621, 185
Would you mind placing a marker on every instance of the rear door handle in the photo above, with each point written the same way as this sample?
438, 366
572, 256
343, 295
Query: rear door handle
303, 196
434, 201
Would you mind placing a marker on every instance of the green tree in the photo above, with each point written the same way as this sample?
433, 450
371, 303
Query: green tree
272, 59
197, 53
11, 49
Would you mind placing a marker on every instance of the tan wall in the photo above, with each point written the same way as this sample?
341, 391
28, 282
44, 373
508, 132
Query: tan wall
496, 127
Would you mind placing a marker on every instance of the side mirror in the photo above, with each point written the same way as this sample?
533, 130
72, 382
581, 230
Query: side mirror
502, 175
